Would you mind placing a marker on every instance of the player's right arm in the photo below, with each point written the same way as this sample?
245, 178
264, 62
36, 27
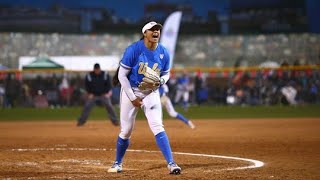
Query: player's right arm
123, 78
165, 74
124, 69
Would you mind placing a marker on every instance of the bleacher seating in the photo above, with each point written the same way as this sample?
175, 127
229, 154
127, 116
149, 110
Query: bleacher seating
200, 50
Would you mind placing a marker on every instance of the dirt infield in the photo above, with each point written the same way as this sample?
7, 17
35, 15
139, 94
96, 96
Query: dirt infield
289, 149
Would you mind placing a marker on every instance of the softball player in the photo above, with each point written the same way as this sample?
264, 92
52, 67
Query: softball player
166, 102
137, 92
183, 90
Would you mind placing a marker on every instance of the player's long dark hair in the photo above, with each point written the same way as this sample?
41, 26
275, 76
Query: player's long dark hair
115, 79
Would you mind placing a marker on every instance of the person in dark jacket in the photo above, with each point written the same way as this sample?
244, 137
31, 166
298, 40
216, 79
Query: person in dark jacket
99, 88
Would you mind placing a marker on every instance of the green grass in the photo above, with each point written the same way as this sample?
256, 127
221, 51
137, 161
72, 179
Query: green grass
227, 112
201, 112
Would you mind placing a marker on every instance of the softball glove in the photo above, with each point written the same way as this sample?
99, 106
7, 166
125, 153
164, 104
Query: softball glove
151, 80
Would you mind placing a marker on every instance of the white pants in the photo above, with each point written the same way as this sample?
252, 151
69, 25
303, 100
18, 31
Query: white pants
166, 102
290, 94
152, 110
181, 93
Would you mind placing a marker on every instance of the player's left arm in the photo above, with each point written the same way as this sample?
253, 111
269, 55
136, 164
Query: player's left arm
165, 73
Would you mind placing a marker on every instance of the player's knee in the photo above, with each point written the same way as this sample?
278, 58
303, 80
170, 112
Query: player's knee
123, 136
89, 103
88, 106
157, 129
173, 114
125, 133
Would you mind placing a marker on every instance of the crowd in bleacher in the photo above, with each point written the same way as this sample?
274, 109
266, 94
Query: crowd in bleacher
200, 50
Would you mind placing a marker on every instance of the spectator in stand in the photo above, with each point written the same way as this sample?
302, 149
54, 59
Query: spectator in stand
12, 90
2, 94
65, 91
26, 98
40, 100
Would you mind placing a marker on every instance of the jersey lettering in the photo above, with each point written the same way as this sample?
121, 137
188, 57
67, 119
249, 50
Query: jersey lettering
143, 66
155, 65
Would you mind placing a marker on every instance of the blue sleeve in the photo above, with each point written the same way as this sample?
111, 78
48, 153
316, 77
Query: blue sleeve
127, 60
161, 91
166, 66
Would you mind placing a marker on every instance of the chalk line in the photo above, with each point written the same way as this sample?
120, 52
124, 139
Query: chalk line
254, 163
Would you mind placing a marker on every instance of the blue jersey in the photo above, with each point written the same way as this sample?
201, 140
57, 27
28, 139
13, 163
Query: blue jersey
137, 57
161, 91
183, 80
164, 89
182, 83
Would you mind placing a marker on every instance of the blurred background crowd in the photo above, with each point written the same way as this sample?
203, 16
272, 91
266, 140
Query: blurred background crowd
276, 37
236, 88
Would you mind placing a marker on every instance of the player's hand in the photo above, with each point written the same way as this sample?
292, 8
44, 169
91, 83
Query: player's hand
137, 102
90, 96
108, 95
